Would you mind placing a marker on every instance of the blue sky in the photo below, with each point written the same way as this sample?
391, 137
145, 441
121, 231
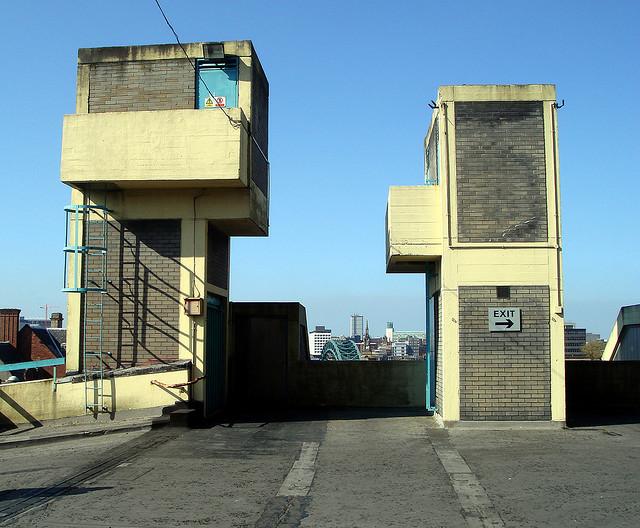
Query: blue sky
350, 82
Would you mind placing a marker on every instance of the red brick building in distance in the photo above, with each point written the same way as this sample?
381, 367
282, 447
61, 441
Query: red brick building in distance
30, 343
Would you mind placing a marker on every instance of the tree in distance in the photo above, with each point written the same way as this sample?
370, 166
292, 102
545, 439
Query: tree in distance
593, 349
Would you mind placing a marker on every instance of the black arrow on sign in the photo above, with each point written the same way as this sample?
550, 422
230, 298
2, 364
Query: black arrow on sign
508, 323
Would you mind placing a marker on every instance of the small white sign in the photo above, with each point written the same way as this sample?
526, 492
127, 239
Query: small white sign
504, 319
219, 101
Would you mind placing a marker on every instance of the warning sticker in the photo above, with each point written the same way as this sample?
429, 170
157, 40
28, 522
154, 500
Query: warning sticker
219, 101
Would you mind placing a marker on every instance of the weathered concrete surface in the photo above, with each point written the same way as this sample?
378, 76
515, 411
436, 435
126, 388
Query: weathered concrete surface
571, 477
378, 469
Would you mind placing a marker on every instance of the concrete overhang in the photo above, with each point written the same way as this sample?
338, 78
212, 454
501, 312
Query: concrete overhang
414, 228
236, 212
156, 150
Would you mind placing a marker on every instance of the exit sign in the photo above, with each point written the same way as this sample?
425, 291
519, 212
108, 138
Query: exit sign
504, 319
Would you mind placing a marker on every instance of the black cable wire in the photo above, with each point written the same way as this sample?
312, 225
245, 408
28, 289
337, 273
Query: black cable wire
234, 123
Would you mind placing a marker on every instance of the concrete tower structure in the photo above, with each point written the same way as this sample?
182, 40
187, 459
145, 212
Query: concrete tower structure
174, 148
389, 332
356, 326
485, 229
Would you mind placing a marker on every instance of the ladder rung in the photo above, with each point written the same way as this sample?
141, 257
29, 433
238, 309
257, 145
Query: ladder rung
93, 320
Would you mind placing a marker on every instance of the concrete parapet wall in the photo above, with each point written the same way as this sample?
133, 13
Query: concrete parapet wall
155, 149
270, 367
602, 387
34, 401
358, 384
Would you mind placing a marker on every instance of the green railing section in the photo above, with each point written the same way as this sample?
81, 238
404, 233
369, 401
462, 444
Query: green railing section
24, 365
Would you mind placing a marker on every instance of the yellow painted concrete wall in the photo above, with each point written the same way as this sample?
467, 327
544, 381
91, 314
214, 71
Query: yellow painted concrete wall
34, 400
414, 224
187, 148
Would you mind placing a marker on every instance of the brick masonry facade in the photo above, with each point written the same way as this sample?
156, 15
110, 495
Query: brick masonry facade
142, 303
505, 375
32, 348
141, 85
217, 258
438, 349
500, 175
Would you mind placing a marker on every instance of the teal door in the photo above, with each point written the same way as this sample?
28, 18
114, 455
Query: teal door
221, 79
215, 355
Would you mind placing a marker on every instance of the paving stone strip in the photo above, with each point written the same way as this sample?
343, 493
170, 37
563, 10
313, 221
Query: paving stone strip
289, 506
477, 508
298, 481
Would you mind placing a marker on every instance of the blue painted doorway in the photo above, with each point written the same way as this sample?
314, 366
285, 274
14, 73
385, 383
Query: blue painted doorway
221, 79
215, 365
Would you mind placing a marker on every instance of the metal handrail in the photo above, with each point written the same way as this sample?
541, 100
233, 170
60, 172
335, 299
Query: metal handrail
54, 362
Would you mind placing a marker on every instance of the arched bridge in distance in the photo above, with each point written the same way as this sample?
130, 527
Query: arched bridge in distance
340, 350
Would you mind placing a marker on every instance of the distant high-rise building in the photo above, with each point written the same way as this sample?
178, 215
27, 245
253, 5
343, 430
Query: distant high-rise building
389, 332
592, 337
356, 326
402, 349
574, 340
317, 340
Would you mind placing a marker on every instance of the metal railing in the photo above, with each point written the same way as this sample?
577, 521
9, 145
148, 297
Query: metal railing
24, 365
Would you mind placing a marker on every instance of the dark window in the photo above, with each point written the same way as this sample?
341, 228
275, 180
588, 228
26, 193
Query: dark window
503, 292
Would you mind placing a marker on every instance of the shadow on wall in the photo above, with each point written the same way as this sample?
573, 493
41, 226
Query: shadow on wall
6, 423
141, 308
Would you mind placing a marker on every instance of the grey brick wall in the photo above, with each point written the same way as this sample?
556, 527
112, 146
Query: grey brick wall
141, 85
218, 258
501, 175
142, 303
505, 375
438, 347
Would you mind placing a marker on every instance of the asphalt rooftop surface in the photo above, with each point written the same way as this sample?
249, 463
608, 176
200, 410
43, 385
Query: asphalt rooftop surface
343, 470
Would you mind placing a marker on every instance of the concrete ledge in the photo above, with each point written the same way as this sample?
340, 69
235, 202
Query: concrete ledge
504, 425
87, 426
133, 371
240, 48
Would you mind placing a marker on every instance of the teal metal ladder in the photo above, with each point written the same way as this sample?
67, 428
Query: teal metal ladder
86, 249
